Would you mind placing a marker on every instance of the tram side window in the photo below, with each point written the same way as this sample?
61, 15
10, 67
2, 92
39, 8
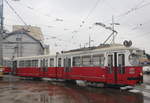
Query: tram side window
51, 62
8, 63
86, 60
45, 62
59, 62
121, 63
5, 63
98, 60
76, 61
21, 63
42, 63
34, 63
28, 63
110, 63
67, 62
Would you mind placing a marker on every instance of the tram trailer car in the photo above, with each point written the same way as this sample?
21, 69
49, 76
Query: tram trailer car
114, 65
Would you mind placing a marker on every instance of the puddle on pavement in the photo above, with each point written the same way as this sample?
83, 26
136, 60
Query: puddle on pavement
45, 92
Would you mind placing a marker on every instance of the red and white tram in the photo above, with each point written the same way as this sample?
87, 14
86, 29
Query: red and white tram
113, 64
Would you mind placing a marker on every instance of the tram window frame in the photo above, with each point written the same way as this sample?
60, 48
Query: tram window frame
41, 62
67, 62
98, 60
4, 62
8, 63
76, 61
21, 63
34, 63
46, 62
51, 62
111, 63
121, 63
27, 63
86, 60
59, 62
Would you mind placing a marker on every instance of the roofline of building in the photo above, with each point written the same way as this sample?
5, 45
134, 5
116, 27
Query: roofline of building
22, 31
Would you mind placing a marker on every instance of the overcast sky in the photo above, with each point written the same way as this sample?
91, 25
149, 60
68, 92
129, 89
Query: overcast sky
67, 24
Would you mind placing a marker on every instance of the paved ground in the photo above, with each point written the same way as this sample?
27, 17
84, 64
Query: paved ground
15, 90
147, 79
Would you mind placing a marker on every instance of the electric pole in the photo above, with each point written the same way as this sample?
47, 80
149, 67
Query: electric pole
1, 32
89, 41
113, 30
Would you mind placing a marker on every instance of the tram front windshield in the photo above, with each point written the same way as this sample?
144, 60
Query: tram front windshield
135, 57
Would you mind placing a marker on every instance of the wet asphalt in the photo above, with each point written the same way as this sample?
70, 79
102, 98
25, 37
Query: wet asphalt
16, 90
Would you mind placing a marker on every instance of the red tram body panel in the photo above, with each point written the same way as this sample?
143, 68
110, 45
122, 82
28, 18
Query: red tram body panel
91, 74
111, 65
7, 70
29, 72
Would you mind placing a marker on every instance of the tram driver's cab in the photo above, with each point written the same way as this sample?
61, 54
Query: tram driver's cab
124, 67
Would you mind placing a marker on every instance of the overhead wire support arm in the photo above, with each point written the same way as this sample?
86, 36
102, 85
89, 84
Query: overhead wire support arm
109, 28
108, 38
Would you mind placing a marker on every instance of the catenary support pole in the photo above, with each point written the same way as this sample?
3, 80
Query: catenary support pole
1, 32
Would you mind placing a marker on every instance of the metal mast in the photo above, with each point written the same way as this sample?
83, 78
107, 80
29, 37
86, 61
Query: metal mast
113, 33
89, 41
1, 32
113, 29
109, 28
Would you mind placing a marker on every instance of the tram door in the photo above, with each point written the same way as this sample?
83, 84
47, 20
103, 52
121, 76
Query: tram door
44, 66
121, 73
111, 70
67, 66
14, 67
116, 68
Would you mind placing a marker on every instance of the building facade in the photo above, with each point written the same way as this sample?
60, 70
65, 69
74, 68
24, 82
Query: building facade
20, 43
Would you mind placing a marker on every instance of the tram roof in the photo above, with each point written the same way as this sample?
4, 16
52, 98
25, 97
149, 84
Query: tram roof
100, 48
33, 57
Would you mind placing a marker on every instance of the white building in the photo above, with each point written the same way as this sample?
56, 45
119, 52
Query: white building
20, 43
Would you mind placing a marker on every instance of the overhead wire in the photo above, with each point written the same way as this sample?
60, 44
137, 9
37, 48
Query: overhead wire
16, 12
133, 9
24, 21
93, 8
49, 26
141, 24
139, 6
126, 13
90, 12
41, 14
86, 18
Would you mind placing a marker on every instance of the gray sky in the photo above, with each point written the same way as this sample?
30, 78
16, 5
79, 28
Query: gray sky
63, 27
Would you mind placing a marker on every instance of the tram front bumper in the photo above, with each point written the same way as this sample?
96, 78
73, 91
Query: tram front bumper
138, 79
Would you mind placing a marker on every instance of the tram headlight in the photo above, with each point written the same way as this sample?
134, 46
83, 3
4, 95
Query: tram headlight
141, 74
